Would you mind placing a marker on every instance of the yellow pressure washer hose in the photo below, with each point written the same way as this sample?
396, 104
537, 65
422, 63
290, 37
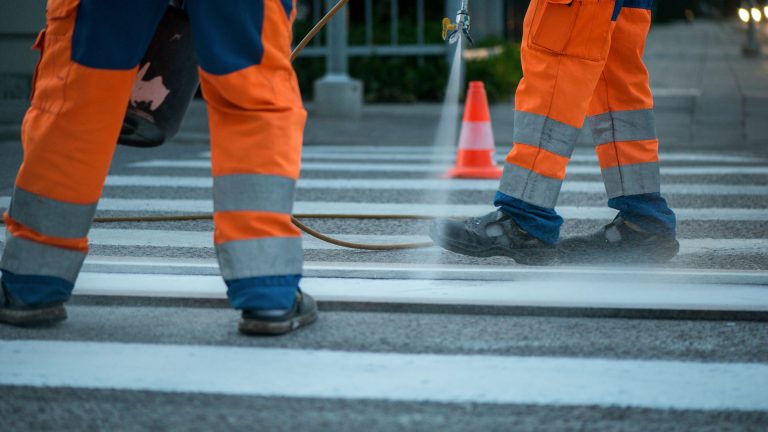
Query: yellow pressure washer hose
208, 216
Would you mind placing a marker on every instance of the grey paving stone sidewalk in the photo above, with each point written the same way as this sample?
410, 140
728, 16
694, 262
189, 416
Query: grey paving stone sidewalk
731, 102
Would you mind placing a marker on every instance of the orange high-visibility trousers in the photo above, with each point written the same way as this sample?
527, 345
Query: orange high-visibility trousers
583, 58
89, 62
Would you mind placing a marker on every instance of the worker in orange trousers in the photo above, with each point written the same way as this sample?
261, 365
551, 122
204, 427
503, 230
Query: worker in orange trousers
90, 52
581, 58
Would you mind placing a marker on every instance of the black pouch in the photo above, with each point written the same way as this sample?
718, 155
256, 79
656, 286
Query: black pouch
166, 83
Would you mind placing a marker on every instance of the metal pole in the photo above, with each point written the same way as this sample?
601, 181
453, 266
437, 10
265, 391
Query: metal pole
336, 94
369, 22
420, 27
336, 54
395, 24
450, 12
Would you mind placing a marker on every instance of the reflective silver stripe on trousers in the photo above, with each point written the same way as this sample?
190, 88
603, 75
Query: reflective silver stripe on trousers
617, 126
51, 217
530, 187
633, 179
253, 192
275, 256
26, 257
543, 132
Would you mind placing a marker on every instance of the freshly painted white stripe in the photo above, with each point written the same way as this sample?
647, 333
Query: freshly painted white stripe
128, 262
424, 168
150, 238
565, 292
203, 239
558, 381
160, 163
441, 157
432, 184
378, 270
457, 210
159, 181
430, 154
667, 92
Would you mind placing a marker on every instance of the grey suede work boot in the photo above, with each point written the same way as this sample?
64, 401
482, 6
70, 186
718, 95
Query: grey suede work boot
619, 242
16, 313
494, 234
273, 323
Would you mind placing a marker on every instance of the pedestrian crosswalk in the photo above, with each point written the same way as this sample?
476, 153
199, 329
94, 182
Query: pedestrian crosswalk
721, 273
741, 179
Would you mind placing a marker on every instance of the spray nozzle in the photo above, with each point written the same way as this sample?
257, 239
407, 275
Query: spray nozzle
453, 31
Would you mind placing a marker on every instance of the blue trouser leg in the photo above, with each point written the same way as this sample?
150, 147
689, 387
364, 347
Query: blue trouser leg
256, 121
648, 211
540, 222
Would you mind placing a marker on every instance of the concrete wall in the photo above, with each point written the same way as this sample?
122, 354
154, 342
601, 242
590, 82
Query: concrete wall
20, 21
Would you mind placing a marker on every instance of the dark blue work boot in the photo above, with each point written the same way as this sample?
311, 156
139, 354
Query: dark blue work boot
17, 313
619, 242
278, 322
494, 234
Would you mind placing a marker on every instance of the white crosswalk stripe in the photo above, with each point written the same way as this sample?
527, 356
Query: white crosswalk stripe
400, 377
430, 184
427, 154
594, 291
438, 168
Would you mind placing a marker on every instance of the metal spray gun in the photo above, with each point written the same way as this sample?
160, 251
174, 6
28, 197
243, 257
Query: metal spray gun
453, 32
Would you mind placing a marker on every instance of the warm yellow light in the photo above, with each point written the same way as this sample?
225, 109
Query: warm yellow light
765, 11
743, 15
756, 15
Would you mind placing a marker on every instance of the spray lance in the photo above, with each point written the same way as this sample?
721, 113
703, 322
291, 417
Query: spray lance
454, 31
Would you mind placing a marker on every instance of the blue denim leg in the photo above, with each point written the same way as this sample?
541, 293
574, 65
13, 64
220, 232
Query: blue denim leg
540, 222
266, 292
648, 211
34, 291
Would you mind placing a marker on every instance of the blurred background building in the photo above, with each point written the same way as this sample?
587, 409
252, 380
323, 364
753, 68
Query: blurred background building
394, 46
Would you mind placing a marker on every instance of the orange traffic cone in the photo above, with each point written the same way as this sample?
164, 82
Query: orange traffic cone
475, 158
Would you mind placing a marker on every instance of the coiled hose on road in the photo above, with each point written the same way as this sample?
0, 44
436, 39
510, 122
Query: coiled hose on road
295, 218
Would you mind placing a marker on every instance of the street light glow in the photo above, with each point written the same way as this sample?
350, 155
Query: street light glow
756, 15
765, 11
743, 15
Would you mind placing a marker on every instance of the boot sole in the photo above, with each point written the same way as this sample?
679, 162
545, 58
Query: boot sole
523, 256
269, 328
621, 256
46, 315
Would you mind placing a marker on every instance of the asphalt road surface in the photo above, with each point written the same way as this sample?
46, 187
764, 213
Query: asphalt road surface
411, 340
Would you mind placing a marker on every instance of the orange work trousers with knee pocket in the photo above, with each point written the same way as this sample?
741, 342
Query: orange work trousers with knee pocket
583, 58
91, 51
